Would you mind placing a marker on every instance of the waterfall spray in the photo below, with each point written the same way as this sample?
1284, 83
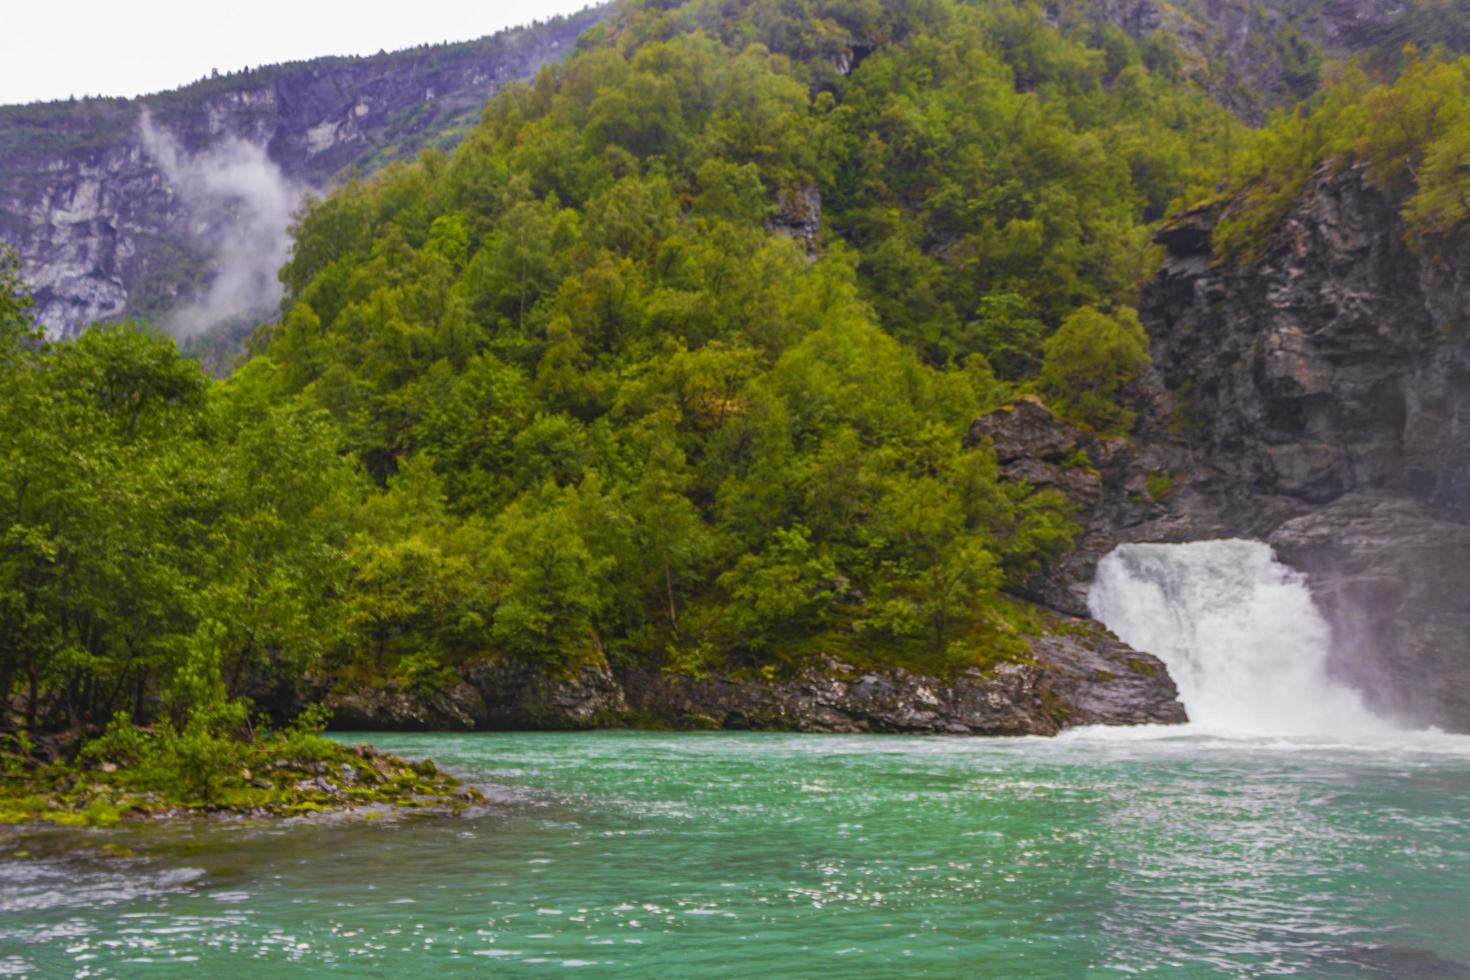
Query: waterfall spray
1239, 632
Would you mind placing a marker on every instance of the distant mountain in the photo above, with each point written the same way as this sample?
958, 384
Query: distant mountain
1256, 56
175, 207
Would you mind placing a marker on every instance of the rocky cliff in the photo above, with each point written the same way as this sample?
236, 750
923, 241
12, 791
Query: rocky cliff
1319, 400
177, 205
1254, 57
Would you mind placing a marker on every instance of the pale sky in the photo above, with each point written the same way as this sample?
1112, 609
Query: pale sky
51, 49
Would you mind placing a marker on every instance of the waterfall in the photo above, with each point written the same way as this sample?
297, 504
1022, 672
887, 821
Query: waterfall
1239, 632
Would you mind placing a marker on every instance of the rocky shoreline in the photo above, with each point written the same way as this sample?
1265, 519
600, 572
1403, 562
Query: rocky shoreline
1076, 673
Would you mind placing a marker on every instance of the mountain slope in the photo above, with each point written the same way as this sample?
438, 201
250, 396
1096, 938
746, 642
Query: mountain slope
665, 370
1255, 57
116, 218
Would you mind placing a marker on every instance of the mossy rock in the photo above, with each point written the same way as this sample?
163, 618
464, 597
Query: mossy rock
283, 777
1142, 667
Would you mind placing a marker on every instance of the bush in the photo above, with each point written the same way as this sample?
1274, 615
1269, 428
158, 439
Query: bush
1091, 358
188, 764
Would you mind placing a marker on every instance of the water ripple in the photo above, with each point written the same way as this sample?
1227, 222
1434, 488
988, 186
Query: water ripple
788, 855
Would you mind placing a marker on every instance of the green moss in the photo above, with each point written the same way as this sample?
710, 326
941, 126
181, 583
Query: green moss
1077, 459
1055, 708
304, 807
1142, 667
1160, 484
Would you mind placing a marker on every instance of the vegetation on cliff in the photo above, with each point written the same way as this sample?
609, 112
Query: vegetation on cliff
1411, 132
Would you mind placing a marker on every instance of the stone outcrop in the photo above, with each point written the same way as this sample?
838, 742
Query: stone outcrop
1099, 477
518, 696
1089, 679
1317, 399
799, 215
1077, 674
493, 694
393, 708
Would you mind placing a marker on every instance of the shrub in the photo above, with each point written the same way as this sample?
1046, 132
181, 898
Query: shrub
1091, 358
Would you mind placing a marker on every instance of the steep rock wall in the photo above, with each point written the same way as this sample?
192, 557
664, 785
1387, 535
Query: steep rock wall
1327, 404
1318, 399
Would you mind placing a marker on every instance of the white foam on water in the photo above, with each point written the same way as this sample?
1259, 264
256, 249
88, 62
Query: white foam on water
1239, 633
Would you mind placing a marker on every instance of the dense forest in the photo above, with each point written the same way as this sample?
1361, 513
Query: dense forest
670, 362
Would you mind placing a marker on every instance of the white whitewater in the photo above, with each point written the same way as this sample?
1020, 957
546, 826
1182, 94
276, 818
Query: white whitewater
1238, 631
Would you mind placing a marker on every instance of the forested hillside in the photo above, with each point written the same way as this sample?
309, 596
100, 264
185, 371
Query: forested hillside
686, 434
669, 363
1255, 57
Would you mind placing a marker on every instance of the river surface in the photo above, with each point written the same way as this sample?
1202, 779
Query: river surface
1098, 853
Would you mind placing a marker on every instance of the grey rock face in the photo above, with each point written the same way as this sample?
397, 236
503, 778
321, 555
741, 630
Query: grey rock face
106, 229
1034, 446
1337, 362
1392, 576
1099, 680
799, 215
1253, 57
831, 695
393, 709
1319, 400
1079, 675
518, 696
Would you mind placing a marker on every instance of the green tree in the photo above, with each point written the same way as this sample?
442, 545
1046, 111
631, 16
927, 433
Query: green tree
787, 589
552, 583
1091, 358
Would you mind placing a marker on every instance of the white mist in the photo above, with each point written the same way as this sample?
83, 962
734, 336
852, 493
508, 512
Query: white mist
243, 205
1238, 631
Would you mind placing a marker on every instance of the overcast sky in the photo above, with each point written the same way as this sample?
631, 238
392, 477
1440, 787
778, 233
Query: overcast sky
51, 49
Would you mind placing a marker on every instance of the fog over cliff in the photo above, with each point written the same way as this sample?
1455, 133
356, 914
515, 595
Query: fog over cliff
241, 202
173, 208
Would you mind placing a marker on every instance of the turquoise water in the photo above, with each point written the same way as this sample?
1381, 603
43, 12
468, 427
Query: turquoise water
787, 855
